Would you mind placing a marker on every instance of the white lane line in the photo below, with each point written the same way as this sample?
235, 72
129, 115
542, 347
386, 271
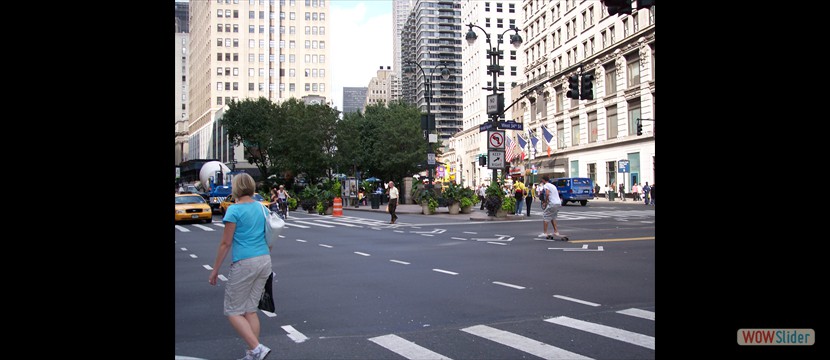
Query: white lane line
338, 223
575, 300
301, 240
471, 232
313, 223
295, 225
207, 267
182, 228
362, 253
399, 262
502, 235
219, 224
522, 343
325, 246
445, 271
508, 285
607, 331
649, 315
281, 236
295, 335
193, 256
406, 348
184, 249
268, 313
427, 235
496, 243
457, 238
205, 228
222, 277
399, 231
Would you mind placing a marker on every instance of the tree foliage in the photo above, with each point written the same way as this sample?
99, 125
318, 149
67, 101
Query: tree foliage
251, 122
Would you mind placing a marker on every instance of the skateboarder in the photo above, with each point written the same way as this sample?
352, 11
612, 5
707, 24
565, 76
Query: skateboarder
550, 206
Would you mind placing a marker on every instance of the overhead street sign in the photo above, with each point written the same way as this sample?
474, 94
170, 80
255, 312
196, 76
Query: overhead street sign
495, 139
486, 126
495, 159
510, 125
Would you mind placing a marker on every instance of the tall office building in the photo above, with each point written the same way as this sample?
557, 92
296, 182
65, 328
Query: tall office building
595, 138
432, 39
182, 44
274, 49
353, 99
400, 14
497, 18
379, 90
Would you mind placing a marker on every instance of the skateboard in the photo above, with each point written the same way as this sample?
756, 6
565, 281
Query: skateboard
553, 237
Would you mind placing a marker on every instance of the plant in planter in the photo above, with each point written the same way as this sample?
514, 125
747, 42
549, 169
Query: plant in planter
493, 198
453, 195
292, 203
308, 198
466, 205
509, 205
432, 204
320, 208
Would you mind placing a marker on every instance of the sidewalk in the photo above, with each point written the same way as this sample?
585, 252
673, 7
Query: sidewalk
476, 214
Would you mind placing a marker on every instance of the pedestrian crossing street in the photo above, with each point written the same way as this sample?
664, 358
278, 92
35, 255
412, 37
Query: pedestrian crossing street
569, 346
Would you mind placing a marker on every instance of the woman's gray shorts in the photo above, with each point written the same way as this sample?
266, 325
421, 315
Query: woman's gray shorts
245, 285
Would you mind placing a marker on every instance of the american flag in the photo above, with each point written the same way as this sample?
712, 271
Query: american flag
508, 147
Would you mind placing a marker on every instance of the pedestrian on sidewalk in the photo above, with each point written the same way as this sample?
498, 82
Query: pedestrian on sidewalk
393, 202
519, 194
244, 237
531, 192
551, 203
622, 191
652, 194
635, 190
482, 192
646, 192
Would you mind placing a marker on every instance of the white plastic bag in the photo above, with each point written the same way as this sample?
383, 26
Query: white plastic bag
273, 226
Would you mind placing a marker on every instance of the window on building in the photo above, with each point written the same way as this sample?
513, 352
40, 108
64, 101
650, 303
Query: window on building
633, 115
219, 71
219, 13
486, 22
236, 86
322, 45
228, 13
511, 8
292, 16
560, 100
610, 79
218, 100
625, 28
500, 23
611, 122
633, 71
574, 131
611, 173
592, 127
292, 44
487, 6
292, 87
292, 30
560, 134
235, 71
236, 43
322, 30
499, 7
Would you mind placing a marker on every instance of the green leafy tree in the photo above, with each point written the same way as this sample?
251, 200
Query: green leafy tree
251, 122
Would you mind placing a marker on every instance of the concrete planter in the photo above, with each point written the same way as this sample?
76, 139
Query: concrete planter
455, 208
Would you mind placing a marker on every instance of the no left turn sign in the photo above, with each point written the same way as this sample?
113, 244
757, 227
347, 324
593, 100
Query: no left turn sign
495, 139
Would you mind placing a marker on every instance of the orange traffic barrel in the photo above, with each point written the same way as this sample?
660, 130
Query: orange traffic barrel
338, 207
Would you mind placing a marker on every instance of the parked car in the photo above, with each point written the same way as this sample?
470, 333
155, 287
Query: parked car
229, 200
575, 189
192, 207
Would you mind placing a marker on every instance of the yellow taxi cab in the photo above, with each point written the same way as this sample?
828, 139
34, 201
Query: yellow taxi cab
192, 207
228, 201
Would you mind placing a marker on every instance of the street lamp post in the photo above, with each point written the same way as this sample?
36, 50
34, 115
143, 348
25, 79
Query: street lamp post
430, 123
493, 54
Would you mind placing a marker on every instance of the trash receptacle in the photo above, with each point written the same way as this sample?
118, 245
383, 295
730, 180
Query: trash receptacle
610, 196
375, 201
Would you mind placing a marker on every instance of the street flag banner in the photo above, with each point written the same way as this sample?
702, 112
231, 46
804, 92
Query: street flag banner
533, 139
508, 148
548, 137
522, 144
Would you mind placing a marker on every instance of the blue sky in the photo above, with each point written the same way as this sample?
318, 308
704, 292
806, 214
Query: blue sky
361, 42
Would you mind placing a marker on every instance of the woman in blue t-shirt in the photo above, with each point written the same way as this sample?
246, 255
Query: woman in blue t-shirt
244, 236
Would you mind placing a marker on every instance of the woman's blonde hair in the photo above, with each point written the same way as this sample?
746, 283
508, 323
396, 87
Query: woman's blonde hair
243, 184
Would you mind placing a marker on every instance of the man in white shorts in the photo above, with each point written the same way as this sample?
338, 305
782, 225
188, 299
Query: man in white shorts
551, 206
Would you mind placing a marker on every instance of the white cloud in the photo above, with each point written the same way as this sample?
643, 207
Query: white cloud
359, 44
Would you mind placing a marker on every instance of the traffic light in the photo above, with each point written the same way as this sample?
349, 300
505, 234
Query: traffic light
573, 87
482, 161
587, 90
639, 127
618, 6
645, 4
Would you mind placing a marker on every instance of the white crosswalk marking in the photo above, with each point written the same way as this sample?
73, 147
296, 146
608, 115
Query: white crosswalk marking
313, 223
607, 331
182, 228
649, 315
406, 348
522, 343
205, 228
338, 223
296, 225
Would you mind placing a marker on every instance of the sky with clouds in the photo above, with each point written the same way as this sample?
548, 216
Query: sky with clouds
360, 42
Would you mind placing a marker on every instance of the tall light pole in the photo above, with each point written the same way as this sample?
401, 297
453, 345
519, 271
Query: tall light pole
429, 125
493, 54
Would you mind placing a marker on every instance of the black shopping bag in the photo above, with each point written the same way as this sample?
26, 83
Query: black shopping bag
267, 301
